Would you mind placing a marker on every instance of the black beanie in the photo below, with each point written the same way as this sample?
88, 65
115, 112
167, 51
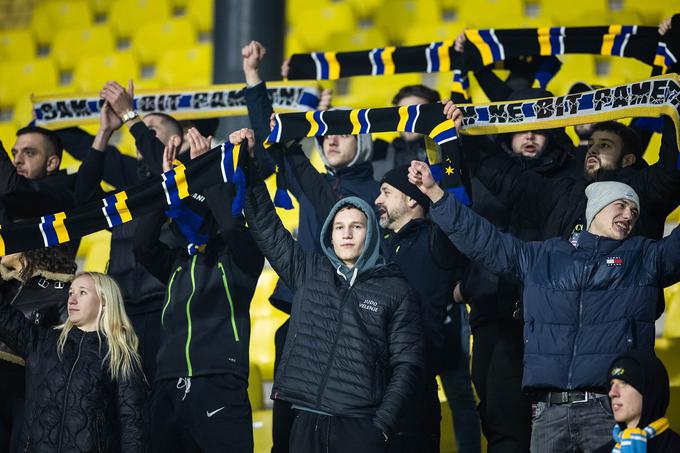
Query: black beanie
628, 370
398, 178
644, 371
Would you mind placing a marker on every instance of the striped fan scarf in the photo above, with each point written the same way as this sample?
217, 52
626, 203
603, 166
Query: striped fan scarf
634, 440
218, 166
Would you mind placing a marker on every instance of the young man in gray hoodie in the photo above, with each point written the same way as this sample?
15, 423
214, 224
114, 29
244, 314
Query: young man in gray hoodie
354, 348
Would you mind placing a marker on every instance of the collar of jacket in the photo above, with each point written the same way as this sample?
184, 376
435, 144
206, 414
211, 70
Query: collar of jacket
591, 243
8, 274
362, 171
411, 227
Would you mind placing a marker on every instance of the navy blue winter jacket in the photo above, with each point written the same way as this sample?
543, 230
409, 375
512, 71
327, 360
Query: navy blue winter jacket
582, 306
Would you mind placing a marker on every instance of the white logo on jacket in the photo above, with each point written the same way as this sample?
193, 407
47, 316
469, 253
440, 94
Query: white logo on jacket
370, 305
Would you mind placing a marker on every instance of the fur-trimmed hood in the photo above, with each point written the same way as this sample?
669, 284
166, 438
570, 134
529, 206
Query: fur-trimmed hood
8, 274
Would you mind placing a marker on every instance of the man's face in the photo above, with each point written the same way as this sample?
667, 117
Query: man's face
616, 220
158, 125
528, 144
340, 150
626, 403
393, 205
604, 153
349, 234
32, 156
411, 100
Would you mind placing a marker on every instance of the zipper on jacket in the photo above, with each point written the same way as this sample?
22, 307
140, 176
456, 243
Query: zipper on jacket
167, 301
331, 356
188, 312
68, 385
586, 274
231, 302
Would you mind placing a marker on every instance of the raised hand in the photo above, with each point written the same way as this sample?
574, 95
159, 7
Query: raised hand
285, 68
244, 135
325, 99
198, 144
252, 54
419, 175
121, 101
170, 153
453, 112
459, 45
108, 120
664, 26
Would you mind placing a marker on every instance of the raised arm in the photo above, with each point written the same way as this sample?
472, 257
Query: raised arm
406, 360
277, 245
312, 183
473, 235
16, 331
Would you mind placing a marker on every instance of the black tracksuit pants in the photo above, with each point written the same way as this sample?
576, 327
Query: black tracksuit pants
504, 408
313, 433
201, 414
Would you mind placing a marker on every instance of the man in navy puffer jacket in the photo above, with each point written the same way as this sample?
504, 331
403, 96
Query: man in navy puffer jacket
583, 305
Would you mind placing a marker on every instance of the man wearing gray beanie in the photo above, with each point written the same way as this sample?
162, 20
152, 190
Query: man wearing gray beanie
584, 304
612, 209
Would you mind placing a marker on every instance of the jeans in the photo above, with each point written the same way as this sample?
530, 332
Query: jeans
458, 389
573, 427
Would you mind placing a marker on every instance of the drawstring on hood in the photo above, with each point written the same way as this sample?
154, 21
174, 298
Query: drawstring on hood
370, 255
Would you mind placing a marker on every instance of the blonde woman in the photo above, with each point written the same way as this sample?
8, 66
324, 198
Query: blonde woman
85, 390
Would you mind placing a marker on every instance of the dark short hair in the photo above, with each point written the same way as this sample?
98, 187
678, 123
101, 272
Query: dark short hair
421, 91
629, 138
174, 125
53, 141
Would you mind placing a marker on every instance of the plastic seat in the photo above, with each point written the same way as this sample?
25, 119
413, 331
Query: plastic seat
93, 72
155, 38
186, 66
262, 351
366, 8
100, 7
59, 15
201, 13
127, 16
360, 39
313, 25
592, 14
21, 79
260, 306
17, 45
71, 45
95, 249
489, 13
423, 34
368, 91
399, 15
7, 135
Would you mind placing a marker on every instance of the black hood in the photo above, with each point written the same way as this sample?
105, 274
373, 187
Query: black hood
655, 387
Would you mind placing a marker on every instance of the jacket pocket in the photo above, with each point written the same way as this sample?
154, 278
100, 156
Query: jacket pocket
378, 381
286, 357
630, 335
169, 294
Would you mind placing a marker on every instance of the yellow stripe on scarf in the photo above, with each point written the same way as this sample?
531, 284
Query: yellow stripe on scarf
544, 40
483, 48
388, 63
608, 39
354, 119
181, 181
313, 125
122, 208
444, 58
60, 228
333, 65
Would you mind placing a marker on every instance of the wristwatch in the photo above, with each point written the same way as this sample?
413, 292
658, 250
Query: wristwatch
130, 114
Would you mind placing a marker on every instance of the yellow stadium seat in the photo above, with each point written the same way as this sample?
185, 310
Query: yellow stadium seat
262, 430
575, 68
359, 39
366, 8
186, 66
17, 45
93, 72
127, 16
20, 79
57, 15
7, 135
151, 40
592, 14
255, 388
23, 110
95, 251
71, 45
489, 13
262, 352
100, 7
371, 91
313, 25
201, 13
292, 44
260, 306
423, 34
398, 16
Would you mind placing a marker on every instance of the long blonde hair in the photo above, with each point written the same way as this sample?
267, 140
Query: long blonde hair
113, 322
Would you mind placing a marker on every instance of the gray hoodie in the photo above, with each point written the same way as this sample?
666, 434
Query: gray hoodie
370, 256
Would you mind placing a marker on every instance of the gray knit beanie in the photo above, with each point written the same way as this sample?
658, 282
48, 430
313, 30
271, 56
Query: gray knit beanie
600, 194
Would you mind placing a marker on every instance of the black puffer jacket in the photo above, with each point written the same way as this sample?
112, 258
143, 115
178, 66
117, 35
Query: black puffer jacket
355, 347
72, 404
